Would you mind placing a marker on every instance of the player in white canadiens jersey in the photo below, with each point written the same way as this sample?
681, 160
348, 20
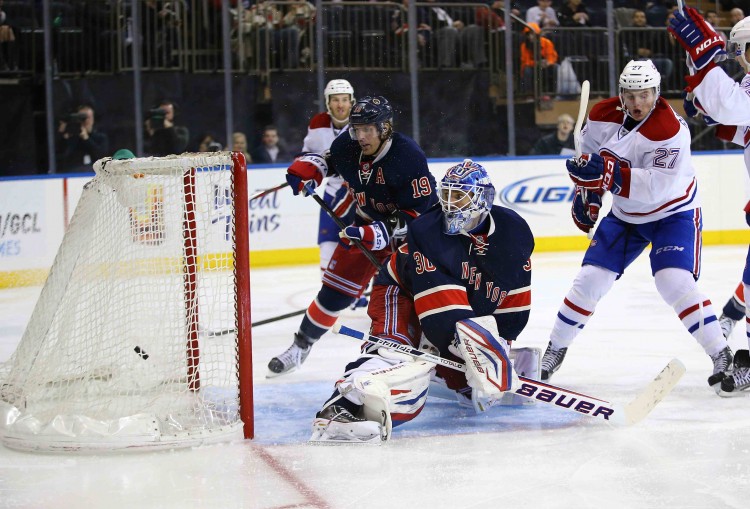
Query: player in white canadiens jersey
638, 148
323, 129
722, 100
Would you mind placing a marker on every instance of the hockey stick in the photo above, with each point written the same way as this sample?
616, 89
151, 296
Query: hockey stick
342, 226
291, 314
631, 413
582, 108
264, 192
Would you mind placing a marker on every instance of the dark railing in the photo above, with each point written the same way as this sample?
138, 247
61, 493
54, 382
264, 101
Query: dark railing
96, 36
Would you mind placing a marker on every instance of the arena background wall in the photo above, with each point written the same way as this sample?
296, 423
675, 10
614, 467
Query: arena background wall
34, 211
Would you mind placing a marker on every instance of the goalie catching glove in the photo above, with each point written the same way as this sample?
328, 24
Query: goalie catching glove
306, 169
585, 209
488, 366
595, 173
697, 37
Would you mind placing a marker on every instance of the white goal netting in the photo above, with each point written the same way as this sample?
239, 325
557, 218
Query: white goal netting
134, 340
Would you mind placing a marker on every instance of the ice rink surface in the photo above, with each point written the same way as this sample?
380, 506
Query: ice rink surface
692, 451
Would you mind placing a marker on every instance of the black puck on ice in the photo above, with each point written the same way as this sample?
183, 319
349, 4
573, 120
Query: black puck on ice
140, 352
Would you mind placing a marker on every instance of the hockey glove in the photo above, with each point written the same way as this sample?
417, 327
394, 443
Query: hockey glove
696, 36
692, 107
585, 209
309, 168
747, 213
487, 355
341, 202
398, 227
373, 236
595, 173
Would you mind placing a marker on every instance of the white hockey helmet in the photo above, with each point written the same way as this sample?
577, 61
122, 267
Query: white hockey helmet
639, 75
739, 37
337, 87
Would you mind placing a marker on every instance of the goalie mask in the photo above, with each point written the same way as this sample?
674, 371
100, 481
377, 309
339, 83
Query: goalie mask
639, 75
372, 110
466, 195
739, 37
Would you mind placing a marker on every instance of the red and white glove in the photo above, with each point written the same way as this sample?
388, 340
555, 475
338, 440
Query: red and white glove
697, 37
595, 173
374, 236
306, 169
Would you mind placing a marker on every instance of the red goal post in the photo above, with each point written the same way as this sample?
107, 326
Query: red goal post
118, 353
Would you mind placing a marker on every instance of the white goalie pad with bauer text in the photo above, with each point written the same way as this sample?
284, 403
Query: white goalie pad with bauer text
488, 365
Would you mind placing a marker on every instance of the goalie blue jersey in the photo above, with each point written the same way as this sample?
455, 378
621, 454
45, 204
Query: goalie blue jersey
453, 277
396, 181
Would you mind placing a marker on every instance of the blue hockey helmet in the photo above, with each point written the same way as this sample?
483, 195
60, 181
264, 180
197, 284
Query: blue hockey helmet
372, 110
466, 195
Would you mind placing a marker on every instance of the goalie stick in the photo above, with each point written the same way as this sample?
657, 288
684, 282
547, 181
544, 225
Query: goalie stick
560, 397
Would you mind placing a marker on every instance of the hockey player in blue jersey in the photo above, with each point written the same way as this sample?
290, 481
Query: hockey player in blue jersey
388, 175
461, 284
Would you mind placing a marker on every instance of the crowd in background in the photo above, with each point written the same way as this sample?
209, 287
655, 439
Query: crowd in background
556, 42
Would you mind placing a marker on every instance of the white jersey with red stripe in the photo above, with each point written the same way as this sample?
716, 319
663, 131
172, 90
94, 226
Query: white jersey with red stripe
727, 102
320, 134
658, 178
455, 277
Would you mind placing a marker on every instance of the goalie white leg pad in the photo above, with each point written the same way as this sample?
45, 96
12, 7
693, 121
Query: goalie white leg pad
394, 395
527, 362
488, 365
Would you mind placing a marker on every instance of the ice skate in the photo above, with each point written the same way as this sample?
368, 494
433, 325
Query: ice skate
722, 366
552, 360
335, 424
739, 380
727, 325
291, 359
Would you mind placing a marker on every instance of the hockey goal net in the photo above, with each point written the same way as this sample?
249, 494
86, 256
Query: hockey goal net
141, 335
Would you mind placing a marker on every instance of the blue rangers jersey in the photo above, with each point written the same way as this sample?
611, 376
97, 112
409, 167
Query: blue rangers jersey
396, 181
453, 277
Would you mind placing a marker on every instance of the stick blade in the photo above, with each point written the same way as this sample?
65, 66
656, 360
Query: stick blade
657, 390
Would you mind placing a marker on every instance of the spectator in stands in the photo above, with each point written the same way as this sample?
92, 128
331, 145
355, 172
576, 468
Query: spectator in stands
543, 14
163, 137
8, 50
735, 16
206, 142
301, 16
270, 24
239, 144
647, 44
547, 64
160, 23
452, 34
79, 143
270, 150
559, 142
713, 18
573, 13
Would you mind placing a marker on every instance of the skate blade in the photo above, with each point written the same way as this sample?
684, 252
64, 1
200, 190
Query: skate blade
322, 439
271, 374
733, 394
